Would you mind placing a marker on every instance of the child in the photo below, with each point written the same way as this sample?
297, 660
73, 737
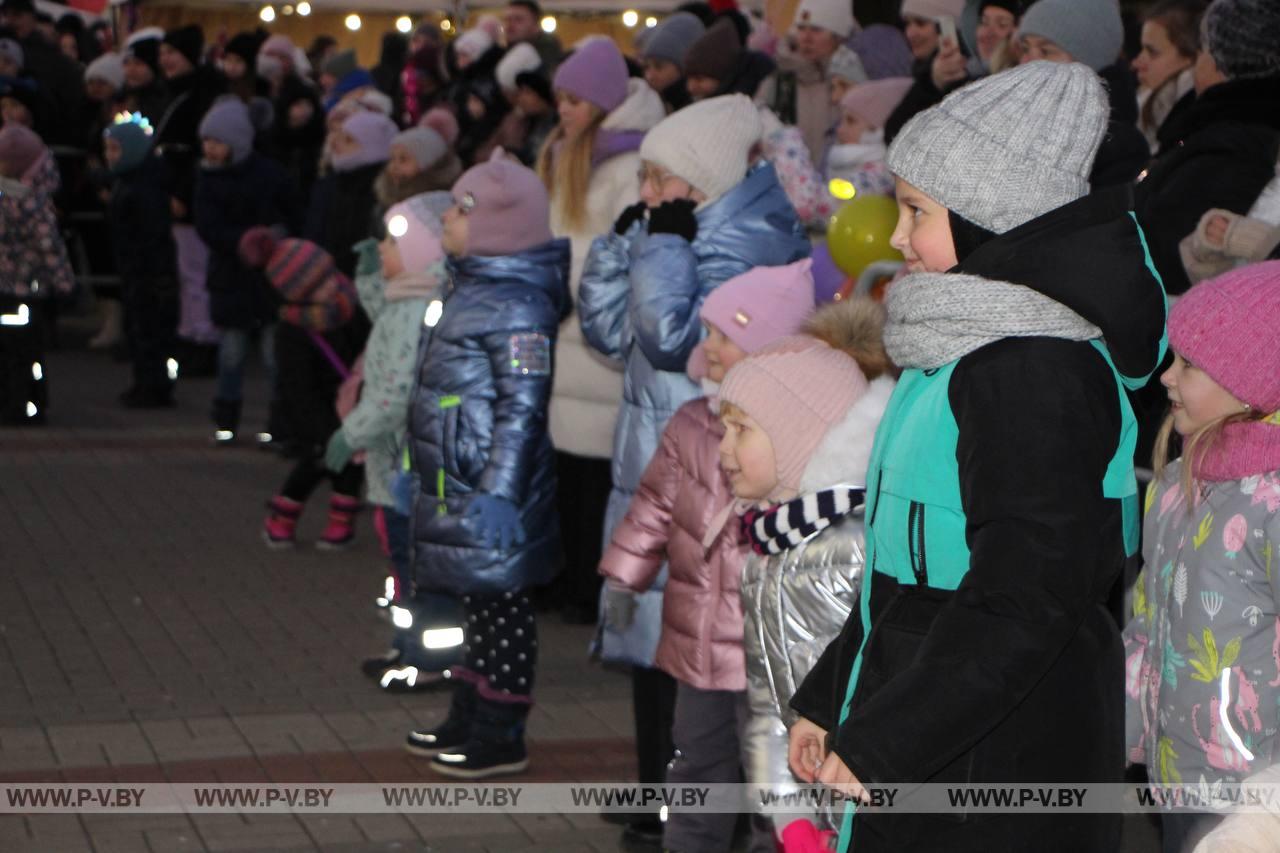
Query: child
706, 214
401, 281
314, 350
343, 202
485, 524
420, 162
799, 418
33, 270
673, 516
145, 257
855, 163
1001, 498
1203, 676
237, 190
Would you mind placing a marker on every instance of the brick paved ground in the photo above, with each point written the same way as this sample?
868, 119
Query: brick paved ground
147, 635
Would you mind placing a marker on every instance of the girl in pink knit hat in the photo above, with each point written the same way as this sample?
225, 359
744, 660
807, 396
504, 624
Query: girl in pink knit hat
1203, 646
678, 515
800, 416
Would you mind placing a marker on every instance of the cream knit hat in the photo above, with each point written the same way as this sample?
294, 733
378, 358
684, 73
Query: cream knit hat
707, 143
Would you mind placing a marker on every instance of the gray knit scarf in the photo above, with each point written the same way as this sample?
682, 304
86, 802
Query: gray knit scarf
935, 318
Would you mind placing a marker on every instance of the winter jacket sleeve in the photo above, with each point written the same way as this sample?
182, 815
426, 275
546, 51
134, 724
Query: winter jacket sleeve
817, 696
372, 290
603, 292
804, 185
519, 411
639, 545
1136, 634
1030, 413
668, 286
383, 409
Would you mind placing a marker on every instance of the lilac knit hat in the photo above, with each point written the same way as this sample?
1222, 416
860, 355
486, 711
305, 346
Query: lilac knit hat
874, 102
595, 72
797, 389
757, 308
1227, 325
506, 205
374, 132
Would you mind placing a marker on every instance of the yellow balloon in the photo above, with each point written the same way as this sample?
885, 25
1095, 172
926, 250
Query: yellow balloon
859, 233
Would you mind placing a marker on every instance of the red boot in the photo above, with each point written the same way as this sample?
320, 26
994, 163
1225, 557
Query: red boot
341, 529
279, 530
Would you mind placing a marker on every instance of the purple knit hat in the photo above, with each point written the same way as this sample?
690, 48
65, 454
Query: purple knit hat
797, 389
884, 51
595, 72
506, 206
374, 132
756, 308
1226, 326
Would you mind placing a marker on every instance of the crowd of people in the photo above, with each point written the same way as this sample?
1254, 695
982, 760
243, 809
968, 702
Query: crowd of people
556, 317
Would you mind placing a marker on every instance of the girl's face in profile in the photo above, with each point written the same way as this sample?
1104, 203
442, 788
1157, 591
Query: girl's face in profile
1195, 399
923, 235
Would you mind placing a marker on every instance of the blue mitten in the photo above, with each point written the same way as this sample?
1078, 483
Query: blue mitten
368, 260
497, 520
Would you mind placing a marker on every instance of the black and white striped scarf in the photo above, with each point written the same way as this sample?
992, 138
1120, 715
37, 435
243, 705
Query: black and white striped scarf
784, 526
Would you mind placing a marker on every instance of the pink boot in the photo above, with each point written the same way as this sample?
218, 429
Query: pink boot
341, 529
279, 530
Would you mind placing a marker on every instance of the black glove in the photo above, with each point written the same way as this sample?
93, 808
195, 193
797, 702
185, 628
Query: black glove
629, 217
674, 217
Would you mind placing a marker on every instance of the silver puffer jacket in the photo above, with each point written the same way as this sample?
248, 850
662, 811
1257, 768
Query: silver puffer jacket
795, 603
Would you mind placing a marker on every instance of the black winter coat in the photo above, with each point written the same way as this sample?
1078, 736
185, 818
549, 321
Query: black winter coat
297, 148
177, 131
228, 202
1018, 674
1218, 151
309, 382
140, 227
342, 205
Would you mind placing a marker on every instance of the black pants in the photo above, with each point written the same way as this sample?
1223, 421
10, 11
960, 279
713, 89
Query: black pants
151, 322
582, 493
500, 650
24, 392
309, 472
653, 698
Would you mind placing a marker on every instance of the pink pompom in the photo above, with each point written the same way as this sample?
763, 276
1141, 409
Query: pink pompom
256, 246
442, 122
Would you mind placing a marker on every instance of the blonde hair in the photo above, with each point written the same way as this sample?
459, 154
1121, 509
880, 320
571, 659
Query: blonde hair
1194, 447
567, 174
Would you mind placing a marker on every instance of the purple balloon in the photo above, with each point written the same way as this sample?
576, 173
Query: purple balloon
827, 277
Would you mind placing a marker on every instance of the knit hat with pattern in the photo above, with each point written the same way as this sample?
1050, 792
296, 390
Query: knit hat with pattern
706, 143
1010, 147
1226, 326
1090, 30
757, 308
1242, 37
316, 295
797, 389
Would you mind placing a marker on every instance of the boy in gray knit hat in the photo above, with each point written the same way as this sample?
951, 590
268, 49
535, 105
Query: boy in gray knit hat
1001, 496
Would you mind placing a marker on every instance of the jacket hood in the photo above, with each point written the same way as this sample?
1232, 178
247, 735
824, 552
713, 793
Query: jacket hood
641, 109
1091, 256
545, 267
844, 453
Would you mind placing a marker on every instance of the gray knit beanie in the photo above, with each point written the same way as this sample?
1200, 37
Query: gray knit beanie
426, 146
228, 122
672, 38
1243, 37
1010, 147
1090, 30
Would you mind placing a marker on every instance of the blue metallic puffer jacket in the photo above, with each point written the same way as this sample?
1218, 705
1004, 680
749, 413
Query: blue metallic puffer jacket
638, 302
478, 421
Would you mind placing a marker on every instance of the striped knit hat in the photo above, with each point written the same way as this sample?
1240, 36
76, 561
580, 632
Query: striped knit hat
316, 295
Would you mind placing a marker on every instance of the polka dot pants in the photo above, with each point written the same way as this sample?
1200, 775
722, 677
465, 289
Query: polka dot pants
501, 645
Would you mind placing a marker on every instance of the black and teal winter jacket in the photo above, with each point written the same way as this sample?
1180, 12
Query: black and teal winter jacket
1001, 506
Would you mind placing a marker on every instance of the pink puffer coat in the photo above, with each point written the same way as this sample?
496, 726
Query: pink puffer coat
681, 494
